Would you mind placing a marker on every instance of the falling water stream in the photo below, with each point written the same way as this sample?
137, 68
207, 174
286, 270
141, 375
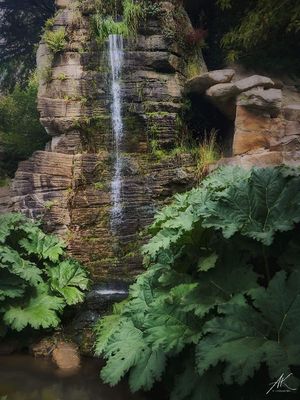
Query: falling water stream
116, 56
29, 379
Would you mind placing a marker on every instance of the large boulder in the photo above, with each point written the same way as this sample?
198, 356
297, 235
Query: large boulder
224, 91
200, 83
266, 101
66, 356
256, 131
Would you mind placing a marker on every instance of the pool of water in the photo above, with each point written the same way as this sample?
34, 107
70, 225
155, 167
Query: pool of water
25, 378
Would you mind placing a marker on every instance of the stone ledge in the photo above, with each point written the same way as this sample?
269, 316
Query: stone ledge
199, 84
224, 91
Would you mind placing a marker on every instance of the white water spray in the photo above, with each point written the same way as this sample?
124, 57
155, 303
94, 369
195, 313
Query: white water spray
116, 56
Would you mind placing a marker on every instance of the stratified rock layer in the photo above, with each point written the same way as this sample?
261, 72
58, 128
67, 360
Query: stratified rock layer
69, 184
266, 129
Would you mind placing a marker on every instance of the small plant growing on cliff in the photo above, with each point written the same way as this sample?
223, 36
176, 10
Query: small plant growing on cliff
56, 40
218, 305
62, 77
49, 24
152, 9
103, 27
104, 23
37, 280
208, 152
133, 12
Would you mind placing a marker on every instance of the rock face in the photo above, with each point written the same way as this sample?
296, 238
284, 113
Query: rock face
69, 184
266, 131
261, 100
200, 83
64, 354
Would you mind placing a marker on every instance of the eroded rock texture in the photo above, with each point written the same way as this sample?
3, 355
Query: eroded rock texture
69, 184
266, 124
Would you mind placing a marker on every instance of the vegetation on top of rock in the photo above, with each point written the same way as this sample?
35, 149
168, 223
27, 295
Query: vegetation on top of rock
104, 21
37, 280
20, 130
103, 27
220, 299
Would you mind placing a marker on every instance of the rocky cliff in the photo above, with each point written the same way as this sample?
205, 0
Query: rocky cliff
265, 114
69, 184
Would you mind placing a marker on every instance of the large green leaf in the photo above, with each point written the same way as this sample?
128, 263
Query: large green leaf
123, 352
42, 311
266, 203
190, 386
45, 246
11, 260
225, 283
106, 327
11, 287
168, 328
70, 280
245, 336
148, 369
280, 305
8, 222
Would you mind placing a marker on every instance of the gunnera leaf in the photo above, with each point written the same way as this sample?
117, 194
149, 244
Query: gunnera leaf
245, 337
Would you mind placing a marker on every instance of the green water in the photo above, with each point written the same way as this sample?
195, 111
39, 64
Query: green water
26, 378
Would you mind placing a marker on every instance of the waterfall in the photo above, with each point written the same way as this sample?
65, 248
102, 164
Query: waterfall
116, 62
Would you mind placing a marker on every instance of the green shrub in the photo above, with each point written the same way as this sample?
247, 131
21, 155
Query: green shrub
260, 23
208, 152
56, 40
37, 280
104, 24
20, 130
133, 13
220, 301
103, 27
256, 34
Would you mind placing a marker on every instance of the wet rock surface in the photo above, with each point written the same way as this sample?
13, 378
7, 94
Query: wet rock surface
106, 294
69, 184
66, 356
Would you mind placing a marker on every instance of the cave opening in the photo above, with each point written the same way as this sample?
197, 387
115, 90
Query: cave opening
196, 12
203, 120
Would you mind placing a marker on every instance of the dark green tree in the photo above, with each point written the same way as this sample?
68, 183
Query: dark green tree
21, 23
20, 130
262, 34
